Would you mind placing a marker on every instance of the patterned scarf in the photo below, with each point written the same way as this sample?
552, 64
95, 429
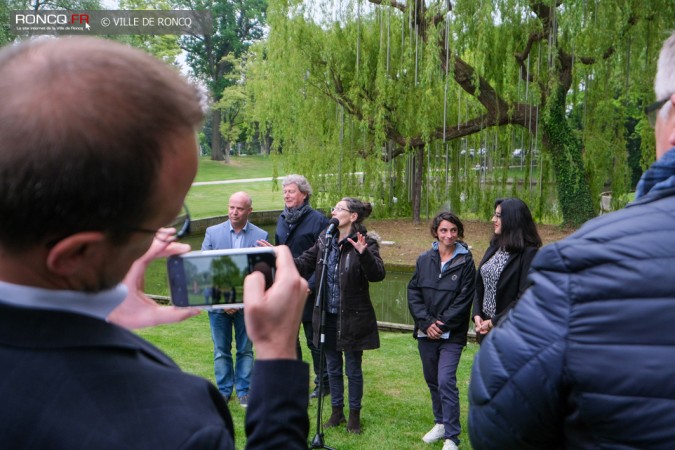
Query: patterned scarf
660, 176
293, 215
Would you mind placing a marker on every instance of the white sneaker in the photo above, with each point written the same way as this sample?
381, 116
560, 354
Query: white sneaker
450, 445
435, 434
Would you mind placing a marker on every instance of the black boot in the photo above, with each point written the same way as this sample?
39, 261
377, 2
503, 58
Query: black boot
315, 392
336, 418
354, 424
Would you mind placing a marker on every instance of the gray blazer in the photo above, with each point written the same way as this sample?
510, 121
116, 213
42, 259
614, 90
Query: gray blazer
219, 237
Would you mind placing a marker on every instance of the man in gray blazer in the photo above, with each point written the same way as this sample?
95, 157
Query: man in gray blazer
236, 232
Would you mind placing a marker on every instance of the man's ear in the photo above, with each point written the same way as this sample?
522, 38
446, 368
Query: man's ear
76, 252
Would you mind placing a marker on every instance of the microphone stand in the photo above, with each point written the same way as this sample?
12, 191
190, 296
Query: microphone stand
318, 442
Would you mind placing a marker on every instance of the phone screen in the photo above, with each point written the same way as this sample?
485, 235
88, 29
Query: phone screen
215, 278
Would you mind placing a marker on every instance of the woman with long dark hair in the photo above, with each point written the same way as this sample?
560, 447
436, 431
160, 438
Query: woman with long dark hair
351, 327
502, 273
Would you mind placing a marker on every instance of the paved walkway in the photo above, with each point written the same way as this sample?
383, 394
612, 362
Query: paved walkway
242, 180
247, 180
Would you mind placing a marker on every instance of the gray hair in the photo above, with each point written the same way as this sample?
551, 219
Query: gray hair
299, 181
664, 83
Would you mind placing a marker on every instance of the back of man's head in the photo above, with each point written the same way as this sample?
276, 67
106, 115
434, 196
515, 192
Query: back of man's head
82, 127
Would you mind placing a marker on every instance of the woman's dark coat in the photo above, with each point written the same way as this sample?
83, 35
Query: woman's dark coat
357, 324
511, 285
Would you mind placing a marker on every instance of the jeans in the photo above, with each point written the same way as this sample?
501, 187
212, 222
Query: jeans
336, 380
227, 375
440, 359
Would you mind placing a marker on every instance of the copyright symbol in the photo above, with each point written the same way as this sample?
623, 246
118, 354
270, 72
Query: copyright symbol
105, 22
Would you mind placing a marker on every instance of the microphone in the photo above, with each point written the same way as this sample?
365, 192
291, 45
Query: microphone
332, 224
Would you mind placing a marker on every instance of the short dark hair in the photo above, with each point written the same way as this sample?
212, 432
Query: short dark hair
84, 124
450, 217
518, 229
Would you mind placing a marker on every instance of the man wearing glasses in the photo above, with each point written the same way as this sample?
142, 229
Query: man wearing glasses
97, 153
585, 360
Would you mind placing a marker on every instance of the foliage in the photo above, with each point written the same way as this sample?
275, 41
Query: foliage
164, 47
232, 102
5, 35
405, 91
236, 24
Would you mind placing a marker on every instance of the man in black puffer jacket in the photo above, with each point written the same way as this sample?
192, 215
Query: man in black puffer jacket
586, 359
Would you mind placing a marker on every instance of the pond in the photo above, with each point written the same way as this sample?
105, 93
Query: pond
389, 296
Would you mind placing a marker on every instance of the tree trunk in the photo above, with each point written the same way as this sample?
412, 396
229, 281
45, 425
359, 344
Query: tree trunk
228, 148
216, 148
574, 194
418, 178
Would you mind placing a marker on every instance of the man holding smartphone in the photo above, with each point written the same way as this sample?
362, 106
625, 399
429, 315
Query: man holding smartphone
236, 232
98, 150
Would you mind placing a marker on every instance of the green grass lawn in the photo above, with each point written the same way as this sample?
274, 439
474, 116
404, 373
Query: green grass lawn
211, 200
396, 404
250, 166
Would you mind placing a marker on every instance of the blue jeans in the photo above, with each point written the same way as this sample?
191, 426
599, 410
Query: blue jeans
336, 380
227, 375
440, 359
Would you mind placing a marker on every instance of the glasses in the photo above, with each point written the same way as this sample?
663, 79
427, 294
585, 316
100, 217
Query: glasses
652, 110
339, 209
181, 223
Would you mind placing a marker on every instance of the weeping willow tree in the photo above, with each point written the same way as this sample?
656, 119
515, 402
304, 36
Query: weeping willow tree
420, 104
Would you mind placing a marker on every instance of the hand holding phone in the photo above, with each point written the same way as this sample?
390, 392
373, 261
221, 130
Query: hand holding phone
273, 315
138, 310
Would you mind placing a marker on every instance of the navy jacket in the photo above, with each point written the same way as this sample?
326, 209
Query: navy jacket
300, 237
586, 359
446, 296
74, 382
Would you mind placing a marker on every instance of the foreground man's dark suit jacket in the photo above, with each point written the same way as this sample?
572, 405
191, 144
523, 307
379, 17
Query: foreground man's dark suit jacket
68, 381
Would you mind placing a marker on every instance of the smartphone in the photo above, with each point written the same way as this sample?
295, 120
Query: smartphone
214, 279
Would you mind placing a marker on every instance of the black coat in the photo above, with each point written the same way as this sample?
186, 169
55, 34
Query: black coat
72, 382
446, 296
511, 285
299, 237
357, 324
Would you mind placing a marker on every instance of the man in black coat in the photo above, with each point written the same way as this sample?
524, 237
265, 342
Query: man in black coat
298, 227
97, 152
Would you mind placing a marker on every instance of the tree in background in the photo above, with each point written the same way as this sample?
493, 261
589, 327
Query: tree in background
163, 46
236, 24
232, 102
454, 103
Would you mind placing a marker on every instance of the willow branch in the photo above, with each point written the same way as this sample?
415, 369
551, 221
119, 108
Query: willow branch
393, 3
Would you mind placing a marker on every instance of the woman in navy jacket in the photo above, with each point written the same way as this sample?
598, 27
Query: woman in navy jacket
502, 273
439, 298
